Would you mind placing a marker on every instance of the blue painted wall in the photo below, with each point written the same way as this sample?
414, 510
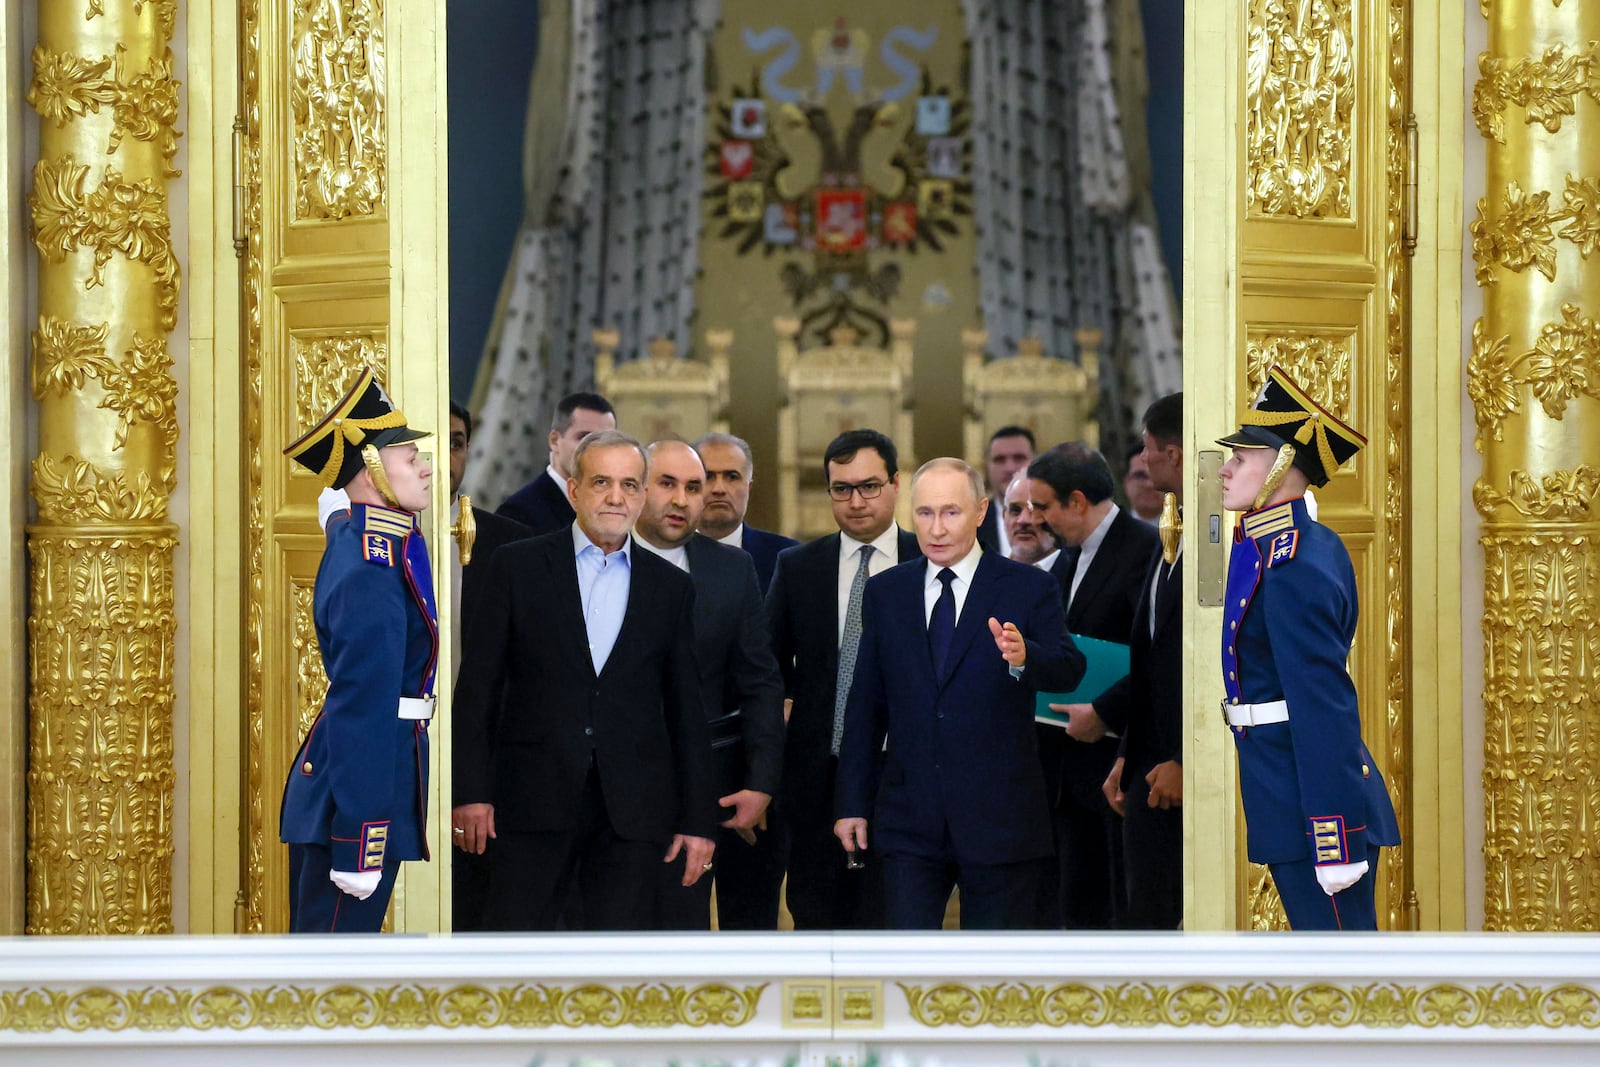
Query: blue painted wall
490, 48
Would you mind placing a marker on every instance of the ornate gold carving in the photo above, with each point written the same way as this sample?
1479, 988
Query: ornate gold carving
324, 365
1563, 364
1379, 1005
117, 216
1547, 87
645, 1006
100, 752
1320, 361
1522, 233
1266, 907
66, 355
338, 98
1560, 495
72, 491
143, 106
311, 679
1299, 104
1541, 640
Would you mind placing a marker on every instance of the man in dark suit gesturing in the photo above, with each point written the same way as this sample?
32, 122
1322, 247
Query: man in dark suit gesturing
742, 693
1104, 564
542, 504
952, 652
815, 608
599, 764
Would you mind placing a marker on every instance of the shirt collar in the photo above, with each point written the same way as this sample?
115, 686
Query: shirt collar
678, 557
965, 567
1091, 544
735, 539
581, 542
556, 476
1049, 561
885, 542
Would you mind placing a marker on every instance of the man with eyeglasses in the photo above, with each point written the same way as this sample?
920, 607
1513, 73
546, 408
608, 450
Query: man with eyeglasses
814, 605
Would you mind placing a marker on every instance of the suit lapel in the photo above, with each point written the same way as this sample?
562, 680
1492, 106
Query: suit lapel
563, 563
1105, 561
1168, 592
974, 613
639, 578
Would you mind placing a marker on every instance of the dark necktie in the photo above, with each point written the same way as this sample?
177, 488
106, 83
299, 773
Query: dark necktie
942, 623
849, 647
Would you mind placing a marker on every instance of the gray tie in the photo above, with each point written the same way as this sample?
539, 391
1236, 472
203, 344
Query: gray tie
849, 645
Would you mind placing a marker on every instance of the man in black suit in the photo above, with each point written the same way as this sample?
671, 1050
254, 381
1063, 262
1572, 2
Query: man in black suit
939, 755
1147, 708
470, 872
599, 767
542, 504
1009, 451
815, 609
1109, 552
730, 469
741, 690
1031, 540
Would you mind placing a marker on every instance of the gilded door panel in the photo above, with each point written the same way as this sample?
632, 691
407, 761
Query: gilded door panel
1323, 293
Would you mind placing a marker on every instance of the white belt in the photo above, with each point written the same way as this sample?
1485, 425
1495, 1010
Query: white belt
1257, 714
416, 708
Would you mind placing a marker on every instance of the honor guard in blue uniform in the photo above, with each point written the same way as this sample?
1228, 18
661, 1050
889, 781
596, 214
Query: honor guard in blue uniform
1316, 808
353, 808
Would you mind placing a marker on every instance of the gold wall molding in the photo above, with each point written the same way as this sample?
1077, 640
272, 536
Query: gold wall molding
1521, 233
1266, 907
1546, 88
645, 1006
338, 95
1377, 1006
1300, 87
103, 618
324, 364
311, 679
1323, 359
1562, 365
1566, 496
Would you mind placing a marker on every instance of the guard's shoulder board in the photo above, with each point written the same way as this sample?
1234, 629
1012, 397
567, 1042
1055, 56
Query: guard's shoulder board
1283, 547
377, 548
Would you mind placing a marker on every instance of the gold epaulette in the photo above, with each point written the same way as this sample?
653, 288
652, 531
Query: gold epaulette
1268, 521
393, 523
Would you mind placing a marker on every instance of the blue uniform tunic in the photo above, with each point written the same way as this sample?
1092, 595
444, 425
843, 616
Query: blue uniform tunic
1312, 792
355, 798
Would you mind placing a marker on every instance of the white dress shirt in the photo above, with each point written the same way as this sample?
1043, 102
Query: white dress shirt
556, 476
735, 539
1049, 561
678, 557
965, 568
885, 554
1086, 551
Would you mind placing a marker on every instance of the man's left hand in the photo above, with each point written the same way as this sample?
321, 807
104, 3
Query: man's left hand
1008, 639
1083, 723
750, 813
697, 856
1166, 785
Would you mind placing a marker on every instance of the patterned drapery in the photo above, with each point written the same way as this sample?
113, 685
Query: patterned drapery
1066, 230
615, 134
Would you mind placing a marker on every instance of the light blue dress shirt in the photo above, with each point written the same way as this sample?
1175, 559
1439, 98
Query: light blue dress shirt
603, 583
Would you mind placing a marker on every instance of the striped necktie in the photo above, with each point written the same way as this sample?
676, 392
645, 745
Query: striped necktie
849, 645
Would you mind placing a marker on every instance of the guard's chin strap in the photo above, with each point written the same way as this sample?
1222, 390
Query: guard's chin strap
1280, 467
380, 479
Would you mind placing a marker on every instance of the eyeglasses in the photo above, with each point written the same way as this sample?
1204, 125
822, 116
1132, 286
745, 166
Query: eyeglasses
841, 491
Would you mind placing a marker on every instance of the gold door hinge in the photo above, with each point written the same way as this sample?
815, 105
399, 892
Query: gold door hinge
239, 236
1408, 228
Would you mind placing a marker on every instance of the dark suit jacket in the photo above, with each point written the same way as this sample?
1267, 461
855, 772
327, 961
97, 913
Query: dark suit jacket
989, 529
763, 548
640, 721
740, 686
1147, 706
803, 608
494, 531
962, 752
541, 505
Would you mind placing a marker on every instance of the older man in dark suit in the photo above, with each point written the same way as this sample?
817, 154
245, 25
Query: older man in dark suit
730, 470
815, 608
742, 693
598, 767
1109, 553
542, 504
953, 649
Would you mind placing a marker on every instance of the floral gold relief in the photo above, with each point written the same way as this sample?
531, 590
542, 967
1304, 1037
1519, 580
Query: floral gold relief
324, 366
338, 100
103, 623
1534, 381
1299, 106
1322, 360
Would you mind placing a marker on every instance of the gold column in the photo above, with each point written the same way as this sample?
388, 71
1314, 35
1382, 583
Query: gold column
103, 624
1534, 380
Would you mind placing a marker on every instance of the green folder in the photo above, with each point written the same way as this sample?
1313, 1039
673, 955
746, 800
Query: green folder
1107, 664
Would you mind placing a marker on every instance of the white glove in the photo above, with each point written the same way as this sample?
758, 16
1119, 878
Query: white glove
1337, 877
359, 885
330, 501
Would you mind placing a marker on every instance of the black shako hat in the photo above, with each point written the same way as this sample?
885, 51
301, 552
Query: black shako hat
1283, 414
365, 416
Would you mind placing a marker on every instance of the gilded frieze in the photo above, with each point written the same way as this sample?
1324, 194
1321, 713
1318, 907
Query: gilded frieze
117, 216
143, 105
71, 491
1300, 88
325, 363
338, 101
648, 1005
1522, 234
1547, 88
1566, 496
1561, 366
1376, 1006
1322, 360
